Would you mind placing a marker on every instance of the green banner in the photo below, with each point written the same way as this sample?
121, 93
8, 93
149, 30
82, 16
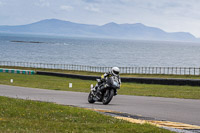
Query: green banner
29, 72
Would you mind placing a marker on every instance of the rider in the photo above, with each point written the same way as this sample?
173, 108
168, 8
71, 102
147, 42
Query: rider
114, 72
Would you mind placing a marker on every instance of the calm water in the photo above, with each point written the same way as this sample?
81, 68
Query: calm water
98, 52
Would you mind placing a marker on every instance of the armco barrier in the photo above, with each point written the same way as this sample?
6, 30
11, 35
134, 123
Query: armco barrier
162, 81
84, 77
29, 72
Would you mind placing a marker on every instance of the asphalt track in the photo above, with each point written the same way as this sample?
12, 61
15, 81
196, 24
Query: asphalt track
170, 109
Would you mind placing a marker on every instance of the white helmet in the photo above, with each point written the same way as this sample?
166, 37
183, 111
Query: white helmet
115, 71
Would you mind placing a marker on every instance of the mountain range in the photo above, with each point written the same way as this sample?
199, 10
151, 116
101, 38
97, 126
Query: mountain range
137, 31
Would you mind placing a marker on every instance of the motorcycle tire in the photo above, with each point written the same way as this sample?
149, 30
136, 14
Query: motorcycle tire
108, 95
90, 98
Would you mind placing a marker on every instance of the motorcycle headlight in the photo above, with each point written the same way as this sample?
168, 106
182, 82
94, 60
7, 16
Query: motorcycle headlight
116, 84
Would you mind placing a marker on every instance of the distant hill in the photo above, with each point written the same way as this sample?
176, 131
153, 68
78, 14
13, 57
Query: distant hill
110, 30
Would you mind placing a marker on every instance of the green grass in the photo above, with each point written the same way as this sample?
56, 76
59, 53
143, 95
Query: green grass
169, 91
98, 74
60, 83
32, 116
46, 82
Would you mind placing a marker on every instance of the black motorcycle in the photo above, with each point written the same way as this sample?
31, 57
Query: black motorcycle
112, 85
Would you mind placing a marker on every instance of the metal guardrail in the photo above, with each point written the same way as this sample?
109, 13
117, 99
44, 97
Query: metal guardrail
125, 70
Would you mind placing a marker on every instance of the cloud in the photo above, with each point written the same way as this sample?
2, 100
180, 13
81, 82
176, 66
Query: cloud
66, 7
92, 1
2, 3
92, 8
43, 3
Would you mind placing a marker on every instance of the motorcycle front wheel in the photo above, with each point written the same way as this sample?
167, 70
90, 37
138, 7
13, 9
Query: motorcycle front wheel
108, 95
90, 98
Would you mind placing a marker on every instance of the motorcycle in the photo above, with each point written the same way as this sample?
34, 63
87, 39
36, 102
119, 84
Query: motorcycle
112, 84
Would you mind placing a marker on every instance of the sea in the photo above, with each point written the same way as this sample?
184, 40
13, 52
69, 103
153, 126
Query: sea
97, 51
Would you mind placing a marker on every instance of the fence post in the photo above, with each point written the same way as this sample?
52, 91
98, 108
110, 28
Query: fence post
160, 70
132, 70
156, 70
199, 71
184, 70
189, 70
164, 70
138, 70
176, 71
150, 70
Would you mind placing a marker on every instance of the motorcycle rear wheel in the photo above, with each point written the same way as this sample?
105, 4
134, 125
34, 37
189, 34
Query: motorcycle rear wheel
108, 95
90, 98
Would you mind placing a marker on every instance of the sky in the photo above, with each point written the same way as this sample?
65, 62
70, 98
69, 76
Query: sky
169, 15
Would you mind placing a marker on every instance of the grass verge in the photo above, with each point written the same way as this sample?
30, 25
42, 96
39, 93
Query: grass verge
32, 116
60, 83
98, 74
